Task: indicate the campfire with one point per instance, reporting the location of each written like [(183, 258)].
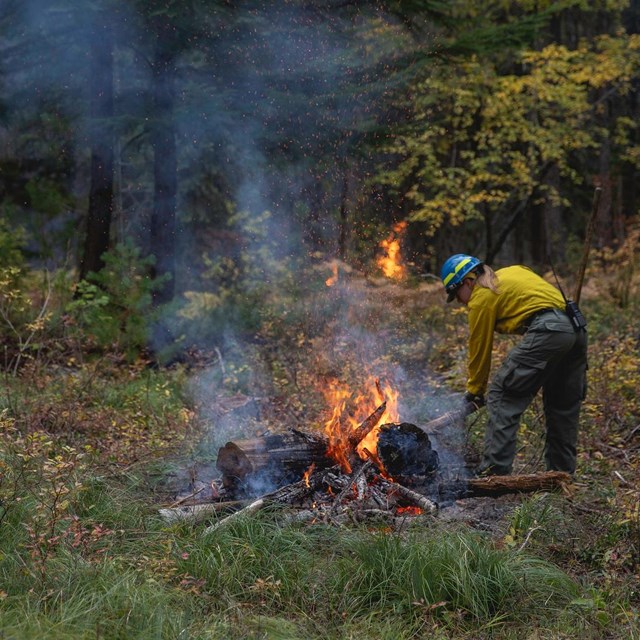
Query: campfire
[(366, 464), (362, 428)]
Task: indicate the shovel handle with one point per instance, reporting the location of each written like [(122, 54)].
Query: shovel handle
[(449, 419)]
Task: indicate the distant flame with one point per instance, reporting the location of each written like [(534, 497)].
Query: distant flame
[(390, 261), (334, 278), (349, 411)]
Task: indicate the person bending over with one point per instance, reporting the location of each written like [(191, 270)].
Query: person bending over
[(551, 356)]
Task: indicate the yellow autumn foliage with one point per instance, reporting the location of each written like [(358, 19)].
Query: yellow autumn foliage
[(483, 136)]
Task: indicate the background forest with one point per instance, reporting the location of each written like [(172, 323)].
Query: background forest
[(210, 209), (189, 129)]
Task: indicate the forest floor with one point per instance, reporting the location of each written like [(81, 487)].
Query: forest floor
[(92, 448)]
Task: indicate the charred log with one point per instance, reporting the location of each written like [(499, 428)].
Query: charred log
[(405, 450), (255, 466)]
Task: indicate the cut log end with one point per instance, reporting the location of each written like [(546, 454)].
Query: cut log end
[(233, 463)]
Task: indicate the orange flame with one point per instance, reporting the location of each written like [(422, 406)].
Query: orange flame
[(378, 395), (349, 411), (307, 474), (410, 511), (337, 396), (333, 279), (390, 261)]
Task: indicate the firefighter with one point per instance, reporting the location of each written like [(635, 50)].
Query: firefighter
[(552, 356)]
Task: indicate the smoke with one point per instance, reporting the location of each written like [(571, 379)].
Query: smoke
[(266, 96), (268, 100)]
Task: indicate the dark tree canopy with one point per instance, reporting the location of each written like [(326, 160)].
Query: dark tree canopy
[(160, 122)]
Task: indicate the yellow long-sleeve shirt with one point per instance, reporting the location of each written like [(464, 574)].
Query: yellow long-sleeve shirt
[(521, 293)]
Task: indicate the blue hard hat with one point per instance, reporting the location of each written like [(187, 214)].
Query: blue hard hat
[(454, 271)]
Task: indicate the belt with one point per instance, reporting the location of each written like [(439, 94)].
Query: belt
[(528, 321)]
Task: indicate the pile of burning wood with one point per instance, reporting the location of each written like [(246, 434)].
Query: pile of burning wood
[(371, 471)]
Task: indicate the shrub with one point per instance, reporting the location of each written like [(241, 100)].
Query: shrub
[(113, 308)]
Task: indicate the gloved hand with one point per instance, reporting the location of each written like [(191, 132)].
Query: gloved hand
[(476, 400)]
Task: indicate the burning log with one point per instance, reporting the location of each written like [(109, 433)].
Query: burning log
[(367, 425), (283, 458), (280, 458)]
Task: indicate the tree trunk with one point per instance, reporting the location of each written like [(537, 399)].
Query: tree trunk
[(604, 222), (163, 140), (546, 235), (101, 190), (344, 193)]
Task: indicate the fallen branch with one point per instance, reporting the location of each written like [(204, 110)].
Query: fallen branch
[(197, 512), (184, 499), (501, 485), (256, 505), (417, 499), (288, 494)]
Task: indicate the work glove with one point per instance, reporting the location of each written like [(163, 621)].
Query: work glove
[(476, 400)]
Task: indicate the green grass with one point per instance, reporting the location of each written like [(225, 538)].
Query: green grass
[(359, 577), (258, 578), (89, 601)]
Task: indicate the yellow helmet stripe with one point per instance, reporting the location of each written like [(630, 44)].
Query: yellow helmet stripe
[(459, 266)]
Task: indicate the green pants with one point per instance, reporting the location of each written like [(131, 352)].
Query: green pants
[(551, 356)]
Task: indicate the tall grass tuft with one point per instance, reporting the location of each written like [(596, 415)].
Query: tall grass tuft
[(458, 572), (357, 575)]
